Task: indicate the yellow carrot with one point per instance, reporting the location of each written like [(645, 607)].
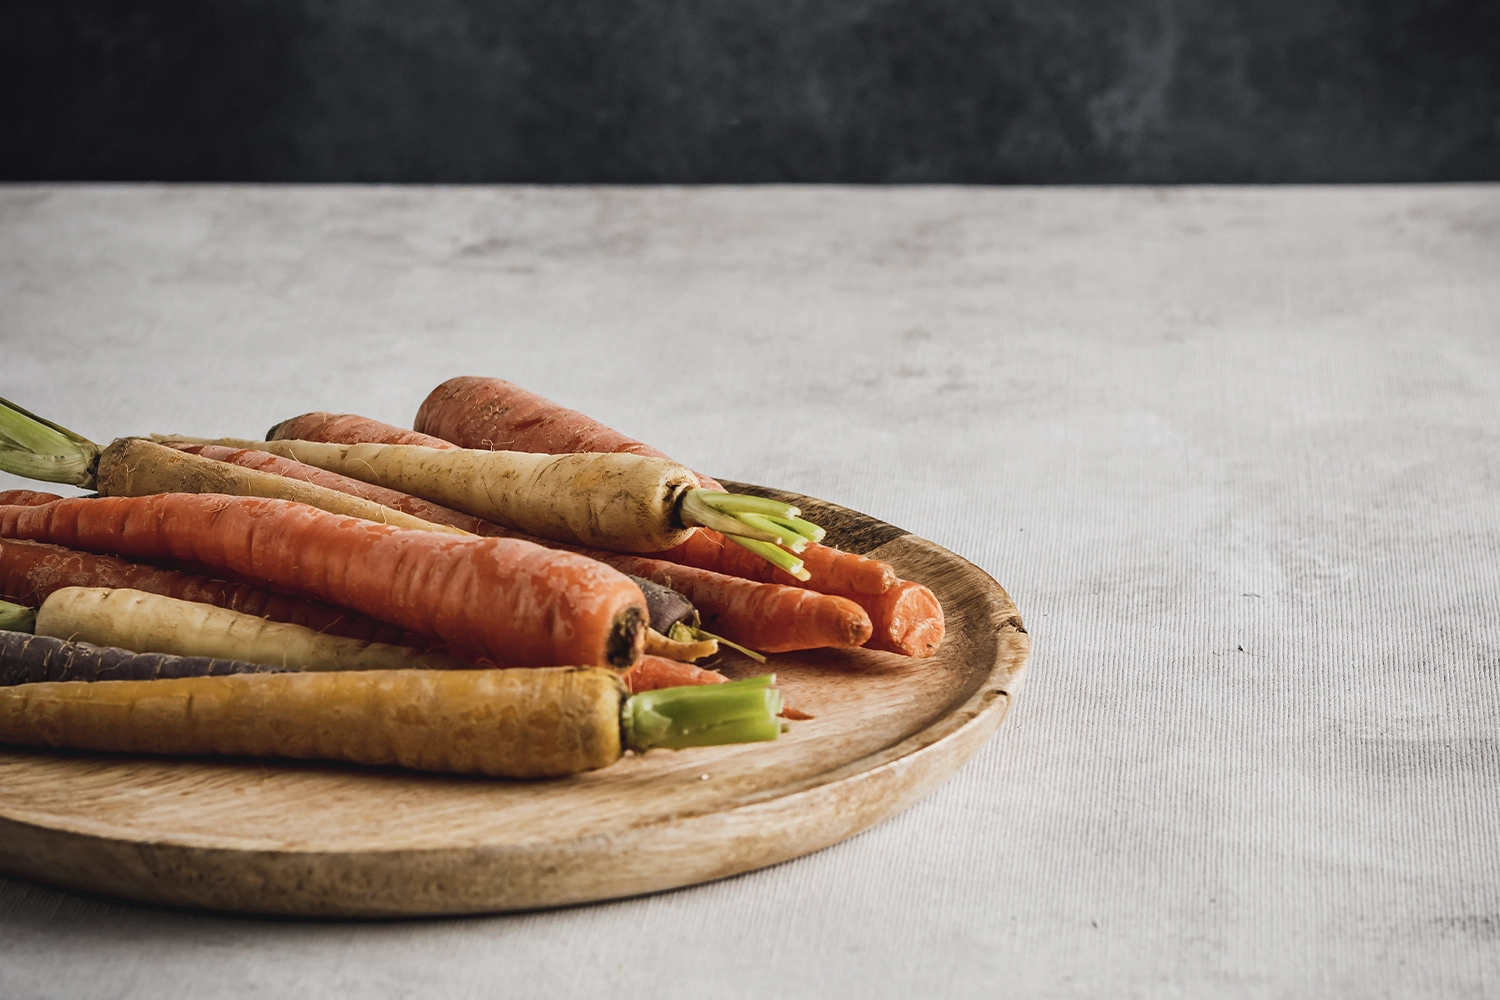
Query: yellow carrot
[(535, 723)]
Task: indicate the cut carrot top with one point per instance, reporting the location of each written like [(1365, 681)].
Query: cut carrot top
[(710, 715), (16, 617)]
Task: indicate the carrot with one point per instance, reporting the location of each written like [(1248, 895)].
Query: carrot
[(511, 723), (29, 571), (830, 570), (906, 619), (515, 603), (667, 606), (33, 659), (495, 415), (765, 616), (348, 428), (491, 413), (151, 623), (655, 672)]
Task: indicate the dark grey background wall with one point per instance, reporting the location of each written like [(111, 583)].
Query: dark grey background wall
[(751, 90)]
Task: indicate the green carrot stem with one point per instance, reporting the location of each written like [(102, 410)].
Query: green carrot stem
[(806, 529), (708, 715), (16, 618), (737, 503), (786, 538), (700, 508), (780, 558), (36, 448), (748, 517)]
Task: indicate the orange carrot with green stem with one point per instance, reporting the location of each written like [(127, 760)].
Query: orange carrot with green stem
[(515, 603)]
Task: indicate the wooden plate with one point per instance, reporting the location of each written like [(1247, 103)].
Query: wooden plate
[(315, 839)]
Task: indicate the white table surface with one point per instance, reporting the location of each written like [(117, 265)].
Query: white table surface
[(1235, 453)]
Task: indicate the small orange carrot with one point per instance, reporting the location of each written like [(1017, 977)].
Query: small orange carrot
[(512, 602), (764, 616), (347, 428), (906, 619), (833, 571), (655, 672), (501, 416)]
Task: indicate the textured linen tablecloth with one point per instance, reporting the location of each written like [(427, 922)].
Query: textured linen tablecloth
[(1235, 453)]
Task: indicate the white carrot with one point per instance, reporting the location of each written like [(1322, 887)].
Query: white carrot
[(151, 623), (622, 502)]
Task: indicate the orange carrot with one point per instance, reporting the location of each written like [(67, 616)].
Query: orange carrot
[(765, 616), (30, 571), (906, 619), (347, 428), (654, 672), (491, 413), (833, 570), (512, 602)]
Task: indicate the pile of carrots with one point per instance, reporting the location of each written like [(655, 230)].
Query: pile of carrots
[(350, 590)]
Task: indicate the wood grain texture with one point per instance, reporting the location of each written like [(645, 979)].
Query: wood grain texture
[(327, 840)]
